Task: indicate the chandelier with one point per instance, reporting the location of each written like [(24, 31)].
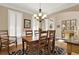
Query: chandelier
[(40, 16)]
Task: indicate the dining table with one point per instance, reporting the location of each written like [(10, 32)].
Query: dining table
[(28, 41), (72, 46)]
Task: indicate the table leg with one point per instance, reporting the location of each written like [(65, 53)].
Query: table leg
[(23, 46), (69, 53), (69, 49), (0, 46), (27, 47)]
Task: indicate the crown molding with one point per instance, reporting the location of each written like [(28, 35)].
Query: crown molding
[(63, 7), (12, 7)]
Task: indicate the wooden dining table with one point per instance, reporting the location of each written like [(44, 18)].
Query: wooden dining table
[(29, 41), (72, 46)]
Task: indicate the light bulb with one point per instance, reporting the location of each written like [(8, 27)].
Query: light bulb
[(44, 16), (40, 14), (35, 15)]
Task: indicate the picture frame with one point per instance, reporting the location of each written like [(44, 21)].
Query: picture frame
[(68, 24), (27, 23), (63, 25), (73, 24)]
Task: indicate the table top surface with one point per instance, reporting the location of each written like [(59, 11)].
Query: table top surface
[(72, 41), (28, 38)]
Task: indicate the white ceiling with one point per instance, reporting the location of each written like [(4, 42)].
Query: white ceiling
[(32, 8)]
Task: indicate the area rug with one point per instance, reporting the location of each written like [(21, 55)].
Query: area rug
[(57, 51)]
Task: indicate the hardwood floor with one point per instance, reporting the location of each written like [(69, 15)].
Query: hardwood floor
[(13, 48)]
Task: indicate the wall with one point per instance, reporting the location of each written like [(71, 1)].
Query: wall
[(64, 16), (4, 17), (46, 24), (26, 16)]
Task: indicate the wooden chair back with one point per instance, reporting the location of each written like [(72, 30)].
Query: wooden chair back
[(3, 32), (42, 40), (6, 40), (43, 35), (28, 32)]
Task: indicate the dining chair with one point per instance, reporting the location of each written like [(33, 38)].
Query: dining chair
[(3, 33), (29, 34), (51, 41), (6, 40), (43, 47), (32, 46)]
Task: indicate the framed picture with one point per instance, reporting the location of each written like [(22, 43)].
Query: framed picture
[(63, 25), (73, 24), (27, 23), (68, 24)]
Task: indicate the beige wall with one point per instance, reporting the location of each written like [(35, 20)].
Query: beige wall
[(64, 16), (27, 16), (70, 13), (4, 17)]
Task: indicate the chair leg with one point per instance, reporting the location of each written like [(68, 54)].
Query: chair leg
[(0, 44), (16, 42), (38, 51), (49, 49), (52, 51), (0, 48), (8, 47)]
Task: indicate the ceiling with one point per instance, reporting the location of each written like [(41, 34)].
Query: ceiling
[(32, 8)]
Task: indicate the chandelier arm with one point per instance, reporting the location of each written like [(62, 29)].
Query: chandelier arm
[(40, 16)]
